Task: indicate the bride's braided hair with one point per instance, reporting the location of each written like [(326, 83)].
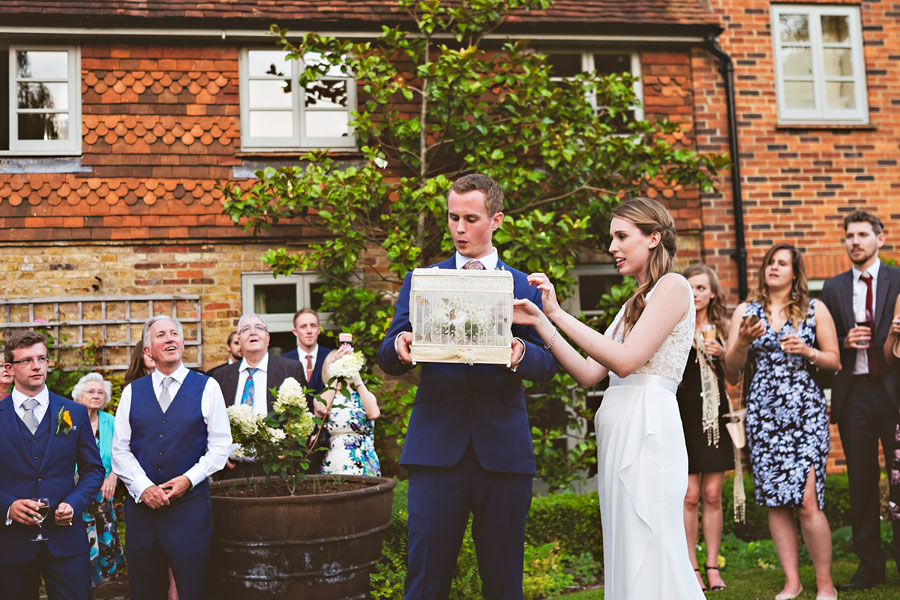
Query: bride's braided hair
[(650, 217)]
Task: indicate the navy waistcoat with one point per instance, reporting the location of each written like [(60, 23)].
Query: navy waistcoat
[(36, 444), (168, 444)]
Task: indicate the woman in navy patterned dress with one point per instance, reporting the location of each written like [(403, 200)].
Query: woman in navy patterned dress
[(787, 419), (350, 422)]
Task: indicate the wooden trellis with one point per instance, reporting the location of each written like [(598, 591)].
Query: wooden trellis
[(106, 326)]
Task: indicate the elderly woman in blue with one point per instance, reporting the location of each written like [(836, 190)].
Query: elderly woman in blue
[(107, 557)]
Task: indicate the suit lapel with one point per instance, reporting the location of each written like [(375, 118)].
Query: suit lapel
[(52, 410), (274, 374), (229, 386), (8, 422), (881, 296), (846, 300)]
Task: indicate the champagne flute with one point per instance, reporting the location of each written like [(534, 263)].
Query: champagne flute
[(43, 511), (708, 331)]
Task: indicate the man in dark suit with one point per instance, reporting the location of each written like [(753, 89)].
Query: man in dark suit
[(235, 354), (250, 380), (308, 351), (468, 445), (864, 400), (43, 437)]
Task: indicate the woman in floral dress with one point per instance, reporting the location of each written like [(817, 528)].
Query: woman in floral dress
[(786, 335), (350, 421)]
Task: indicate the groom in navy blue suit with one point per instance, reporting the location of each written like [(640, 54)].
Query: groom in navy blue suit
[(468, 444), (40, 451)]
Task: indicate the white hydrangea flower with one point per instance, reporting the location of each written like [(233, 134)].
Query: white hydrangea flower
[(241, 417), (277, 435), (290, 393), (347, 367)]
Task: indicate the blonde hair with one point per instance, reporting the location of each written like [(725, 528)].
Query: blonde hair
[(715, 311), (650, 217), (798, 299)]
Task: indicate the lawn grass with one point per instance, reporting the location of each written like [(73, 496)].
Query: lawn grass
[(763, 584)]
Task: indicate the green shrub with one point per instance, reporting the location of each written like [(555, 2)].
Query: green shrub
[(573, 520)]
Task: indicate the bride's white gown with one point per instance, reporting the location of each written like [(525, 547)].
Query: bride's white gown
[(643, 475)]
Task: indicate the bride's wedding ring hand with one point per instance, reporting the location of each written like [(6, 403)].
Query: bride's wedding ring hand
[(526, 312)]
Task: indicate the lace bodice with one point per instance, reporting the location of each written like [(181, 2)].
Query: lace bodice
[(671, 357)]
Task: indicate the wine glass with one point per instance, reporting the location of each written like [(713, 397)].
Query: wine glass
[(43, 511), (867, 322)]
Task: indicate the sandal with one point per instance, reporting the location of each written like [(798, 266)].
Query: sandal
[(703, 587), (714, 588)]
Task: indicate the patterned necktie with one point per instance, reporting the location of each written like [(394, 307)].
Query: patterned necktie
[(474, 265), (164, 398), (309, 368), (249, 392), (871, 351), (29, 417)]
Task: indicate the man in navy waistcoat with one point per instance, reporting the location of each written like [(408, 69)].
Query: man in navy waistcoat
[(172, 433), (468, 445), (43, 437)]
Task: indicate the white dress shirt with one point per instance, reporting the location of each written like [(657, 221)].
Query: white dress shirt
[(212, 407), (302, 354), (260, 383), (859, 311), (43, 398)]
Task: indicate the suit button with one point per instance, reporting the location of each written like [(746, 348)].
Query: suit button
[(34, 441), (35, 457), (163, 421), (161, 436), (159, 468), (40, 478), (161, 452)]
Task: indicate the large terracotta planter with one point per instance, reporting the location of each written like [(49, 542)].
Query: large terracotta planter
[(320, 546)]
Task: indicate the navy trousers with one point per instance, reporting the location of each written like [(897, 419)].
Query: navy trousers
[(440, 500), (176, 536), (67, 578)]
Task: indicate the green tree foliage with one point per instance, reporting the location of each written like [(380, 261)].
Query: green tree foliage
[(437, 99)]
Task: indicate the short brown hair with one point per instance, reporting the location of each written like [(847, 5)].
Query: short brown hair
[(305, 311), (476, 182), (23, 338), (864, 216)]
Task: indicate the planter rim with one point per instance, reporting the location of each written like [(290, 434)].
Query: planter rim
[(384, 484)]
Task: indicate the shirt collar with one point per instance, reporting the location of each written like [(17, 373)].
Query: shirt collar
[(43, 397), (179, 375), (262, 366), (872, 270), (489, 261), (303, 353)]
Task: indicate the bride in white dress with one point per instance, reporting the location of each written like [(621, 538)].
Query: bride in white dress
[(641, 454)]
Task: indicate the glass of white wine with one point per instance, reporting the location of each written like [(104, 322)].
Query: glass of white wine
[(43, 511)]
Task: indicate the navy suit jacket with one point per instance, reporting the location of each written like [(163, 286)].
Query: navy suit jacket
[(279, 369), (458, 404), (315, 383), (837, 294), (54, 479)]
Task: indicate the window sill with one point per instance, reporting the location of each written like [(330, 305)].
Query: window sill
[(282, 154), (824, 126), (253, 161), (42, 164)]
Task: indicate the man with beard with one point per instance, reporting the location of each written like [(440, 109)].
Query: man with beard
[(864, 398)]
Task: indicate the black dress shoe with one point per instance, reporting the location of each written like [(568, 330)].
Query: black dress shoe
[(858, 584)]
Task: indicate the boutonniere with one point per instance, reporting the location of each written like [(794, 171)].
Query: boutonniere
[(64, 422)]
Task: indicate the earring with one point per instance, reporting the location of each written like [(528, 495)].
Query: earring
[(795, 294)]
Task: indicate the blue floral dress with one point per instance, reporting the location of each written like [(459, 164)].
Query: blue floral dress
[(787, 421), (352, 440)]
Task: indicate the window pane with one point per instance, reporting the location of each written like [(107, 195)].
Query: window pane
[(592, 287), (838, 62), (43, 127), (43, 95), (268, 62), (799, 95), (606, 64), (835, 29), (270, 94), (565, 65), (327, 123), (793, 28), (316, 295), (327, 93), (840, 95), (41, 64), (275, 298), (275, 124), (315, 59), (796, 62)]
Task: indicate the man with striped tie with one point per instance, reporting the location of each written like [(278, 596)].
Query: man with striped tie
[(172, 433)]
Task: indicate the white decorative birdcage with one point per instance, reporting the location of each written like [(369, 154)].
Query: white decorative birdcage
[(461, 316)]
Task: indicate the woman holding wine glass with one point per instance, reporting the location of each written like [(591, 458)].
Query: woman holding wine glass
[(702, 402), (785, 336)]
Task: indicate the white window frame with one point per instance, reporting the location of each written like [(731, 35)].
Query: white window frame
[(67, 147), (572, 304), (278, 322), (821, 114), (587, 64), (298, 139)]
